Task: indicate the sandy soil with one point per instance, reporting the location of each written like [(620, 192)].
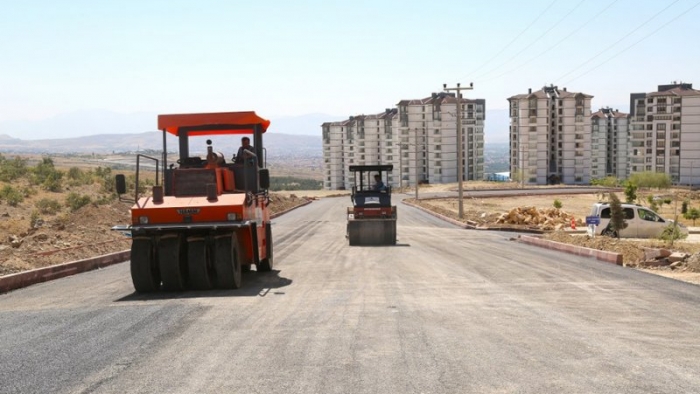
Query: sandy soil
[(69, 236)]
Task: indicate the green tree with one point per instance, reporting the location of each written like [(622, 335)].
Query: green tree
[(692, 214), (617, 216), (630, 192), (652, 203)]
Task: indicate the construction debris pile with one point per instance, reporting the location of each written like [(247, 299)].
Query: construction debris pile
[(545, 219)]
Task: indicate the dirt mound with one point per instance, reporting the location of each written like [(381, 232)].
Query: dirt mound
[(544, 219), (632, 253), (77, 235)]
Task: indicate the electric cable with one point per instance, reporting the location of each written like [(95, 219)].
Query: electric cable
[(535, 41), (516, 37), (635, 43), (618, 41), (539, 55)]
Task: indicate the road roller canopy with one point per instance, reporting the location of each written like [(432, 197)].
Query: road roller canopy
[(376, 167), (213, 123)]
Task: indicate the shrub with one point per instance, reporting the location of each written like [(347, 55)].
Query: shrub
[(630, 192), (12, 196), (35, 219), (617, 216), (672, 232), (48, 206), (652, 203), (692, 214), (684, 207), (650, 179), (12, 169), (557, 204), (75, 201), (609, 181)]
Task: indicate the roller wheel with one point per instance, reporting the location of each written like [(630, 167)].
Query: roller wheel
[(227, 261), (265, 265), (173, 270), (201, 273), (144, 270)]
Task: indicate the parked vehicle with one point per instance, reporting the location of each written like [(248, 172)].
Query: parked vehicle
[(642, 222)]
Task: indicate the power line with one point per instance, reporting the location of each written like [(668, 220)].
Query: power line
[(535, 41), (635, 43), (516, 37), (539, 55), (618, 41)]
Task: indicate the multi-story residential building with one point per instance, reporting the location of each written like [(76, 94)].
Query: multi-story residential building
[(419, 138), (359, 140), (549, 136), (609, 144), (428, 131), (665, 132)]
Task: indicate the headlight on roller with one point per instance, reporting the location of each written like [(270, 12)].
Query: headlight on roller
[(143, 219), (231, 217)]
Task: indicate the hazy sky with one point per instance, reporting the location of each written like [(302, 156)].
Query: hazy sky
[(335, 57)]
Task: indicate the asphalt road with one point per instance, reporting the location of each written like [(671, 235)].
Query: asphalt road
[(445, 311)]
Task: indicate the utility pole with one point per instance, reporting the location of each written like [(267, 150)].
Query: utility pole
[(415, 130), (460, 166)]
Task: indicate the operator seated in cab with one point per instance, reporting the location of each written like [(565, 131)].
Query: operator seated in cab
[(245, 151), (378, 184)]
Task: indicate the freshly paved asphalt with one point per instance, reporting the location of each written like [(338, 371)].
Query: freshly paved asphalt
[(445, 311)]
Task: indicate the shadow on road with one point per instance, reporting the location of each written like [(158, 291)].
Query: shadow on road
[(253, 284)]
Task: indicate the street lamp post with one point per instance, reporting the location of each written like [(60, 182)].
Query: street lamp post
[(460, 166)]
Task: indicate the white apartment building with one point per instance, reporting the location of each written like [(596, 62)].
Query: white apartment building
[(550, 139), (609, 144), (359, 140), (419, 138), (428, 131), (665, 132)]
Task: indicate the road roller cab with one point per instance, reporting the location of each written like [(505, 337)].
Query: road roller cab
[(208, 220), (372, 218)]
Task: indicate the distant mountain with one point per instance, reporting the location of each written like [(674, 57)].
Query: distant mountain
[(79, 124), (103, 122), (277, 145)]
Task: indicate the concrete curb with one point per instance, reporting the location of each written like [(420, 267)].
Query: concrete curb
[(608, 257), (39, 275), (443, 217)]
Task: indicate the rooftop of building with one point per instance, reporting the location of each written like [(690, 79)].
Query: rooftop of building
[(550, 91), (439, 98), (608, 113)]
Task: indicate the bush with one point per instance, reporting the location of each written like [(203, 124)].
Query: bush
[(617, 216), (12, 196), (48, 206), (35, 219), (46, 175), (12, 169), (672, 232), (650, 179), (609, 181), (75, 201), (692, 214), (684, 207), (557, 204), (630, 193)]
